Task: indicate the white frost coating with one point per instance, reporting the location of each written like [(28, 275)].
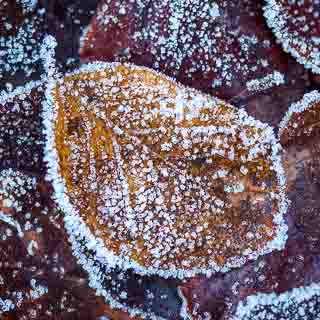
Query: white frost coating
[(32, 245), (13, 185), (83, 36), (79, 231), (214, 11), (6, 305), (194, 38), (296, 300), (235, 188), (184, 307), (9, 220), (180, 102), (37, 290), (47, 52), (306, 102), (267, 82), (278, 17), (28, 5), (21, 51), (6, 96)]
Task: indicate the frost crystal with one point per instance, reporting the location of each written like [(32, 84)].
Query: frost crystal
[(297, 304), (210, 45), (309, 100), (269, 81), (20, 49), (296, 25)]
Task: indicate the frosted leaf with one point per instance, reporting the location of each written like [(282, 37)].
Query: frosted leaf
[(299, 135), (302, 119), (20, 43), (20, 127), (296, 25), (139, 183), (296, 304), (214, 46), (274, 79)]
